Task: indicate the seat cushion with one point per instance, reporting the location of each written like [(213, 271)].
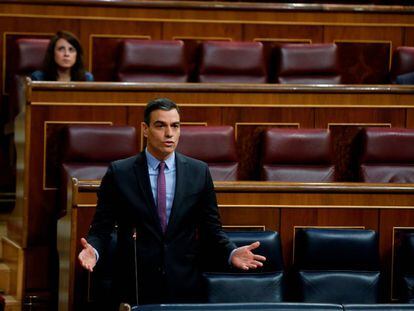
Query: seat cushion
[(236, 287), (299, 173), (387, 173), (339, 286)]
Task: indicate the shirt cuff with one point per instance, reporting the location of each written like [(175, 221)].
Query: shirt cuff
[(231, 256), (97, 254)]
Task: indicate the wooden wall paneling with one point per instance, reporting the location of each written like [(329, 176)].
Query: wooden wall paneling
[(38, 24), (410, 118), (321, 217), (363, 19), (208, 115), (99, 35), (255, 112), (196, 29), (361, 115), (366, 33), (364, 62), (359, 65), (189, 114), (80, 97), (390, 224), (191, 11), (408, 36), (315, 99), (250, 217), (280, 31), (42, 269), (134, 118)]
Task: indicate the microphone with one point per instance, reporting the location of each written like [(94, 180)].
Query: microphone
[(134, 237)]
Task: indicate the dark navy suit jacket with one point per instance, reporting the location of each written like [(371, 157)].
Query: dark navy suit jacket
[(169, 265)]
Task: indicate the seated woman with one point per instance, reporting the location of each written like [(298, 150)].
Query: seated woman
[(63, 60), (406, 78)]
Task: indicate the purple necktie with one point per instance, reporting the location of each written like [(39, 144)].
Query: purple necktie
[(162, 196)]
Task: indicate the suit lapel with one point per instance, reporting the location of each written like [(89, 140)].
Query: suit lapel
[(180, 187), (141, 173)]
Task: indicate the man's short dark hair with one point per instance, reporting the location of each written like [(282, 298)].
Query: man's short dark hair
[(158, 104)]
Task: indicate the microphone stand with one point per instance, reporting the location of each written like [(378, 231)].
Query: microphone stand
[(125, 306), (134, 236)]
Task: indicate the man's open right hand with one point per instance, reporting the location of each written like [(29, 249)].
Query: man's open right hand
[(87, 256)]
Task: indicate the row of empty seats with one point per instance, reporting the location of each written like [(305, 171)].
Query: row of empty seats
[(330, 266), (221, 61), (335, 266), (288, 155)]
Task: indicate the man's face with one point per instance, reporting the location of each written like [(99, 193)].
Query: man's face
[(162, 133)]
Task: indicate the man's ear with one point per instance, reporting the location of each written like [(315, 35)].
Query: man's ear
[(144, 129)]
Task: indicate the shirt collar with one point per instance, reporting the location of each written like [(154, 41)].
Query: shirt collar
[(153, 162)]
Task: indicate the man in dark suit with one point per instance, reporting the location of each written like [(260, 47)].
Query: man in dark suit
[(169, 228), (407, 78)]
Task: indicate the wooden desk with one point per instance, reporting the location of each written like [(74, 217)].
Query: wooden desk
[(283, 207)]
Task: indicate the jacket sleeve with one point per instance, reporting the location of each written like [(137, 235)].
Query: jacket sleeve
[(104, 219), (217, 241)]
